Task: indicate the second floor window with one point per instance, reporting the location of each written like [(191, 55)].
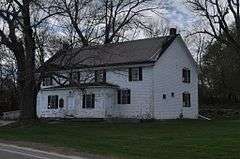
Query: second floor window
[(124, 96), (186, 76), (53, 102), (75, 76), (100, 76), (135, 74), (47, 81)]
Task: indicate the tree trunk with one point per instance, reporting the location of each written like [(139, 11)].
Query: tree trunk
[(28, 96), (28, 101)]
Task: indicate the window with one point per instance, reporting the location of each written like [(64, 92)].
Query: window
[(88, 101), (75, 76), (124, 96), (186, 100), (61, 103), (52, 102), (135, 74), (100, 76), (47, 81), (186, 75), (164, 96)]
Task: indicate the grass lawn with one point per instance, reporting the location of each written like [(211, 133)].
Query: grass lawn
[(159, 140)]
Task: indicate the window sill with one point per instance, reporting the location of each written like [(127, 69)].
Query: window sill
[(88, 108)]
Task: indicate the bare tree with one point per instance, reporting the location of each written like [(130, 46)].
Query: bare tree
[(104, 21), (121, 14), (78, 12), (221, 18), (156, 27), (16, 34)]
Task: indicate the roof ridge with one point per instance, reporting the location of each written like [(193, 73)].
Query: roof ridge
[(112, 44), (140, 50)]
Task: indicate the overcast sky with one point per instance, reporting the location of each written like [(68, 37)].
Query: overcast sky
[(178, 15)]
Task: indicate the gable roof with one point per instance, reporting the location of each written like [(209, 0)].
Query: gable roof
[(130, 52)]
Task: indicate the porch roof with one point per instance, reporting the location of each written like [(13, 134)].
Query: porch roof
[(82, 86)]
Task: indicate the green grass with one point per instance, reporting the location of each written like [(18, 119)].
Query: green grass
[(159, 140)]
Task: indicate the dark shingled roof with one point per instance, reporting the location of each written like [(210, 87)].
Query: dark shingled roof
[(130, 52)]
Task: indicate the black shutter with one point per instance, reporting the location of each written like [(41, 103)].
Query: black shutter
[(130, 74), (119, 96), (189, 100), (189, 76), (183, 98), (104, 75), (56, 102), (83, 101), (78, 74), (49, 100), (140, 74), (184, 75), (93, 100), (129, 96)]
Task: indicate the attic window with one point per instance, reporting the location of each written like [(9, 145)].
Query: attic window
[(135, 74)]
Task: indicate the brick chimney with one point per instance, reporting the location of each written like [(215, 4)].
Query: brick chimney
[(173, 31)]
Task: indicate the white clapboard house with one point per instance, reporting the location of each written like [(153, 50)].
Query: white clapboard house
[(153, 78)]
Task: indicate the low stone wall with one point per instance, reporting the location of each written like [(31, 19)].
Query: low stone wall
[(11, 115), (220, 113)]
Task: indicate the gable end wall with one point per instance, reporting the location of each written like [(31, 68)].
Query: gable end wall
[(168, 79)]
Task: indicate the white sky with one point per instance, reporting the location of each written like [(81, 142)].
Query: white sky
[(179, 15)]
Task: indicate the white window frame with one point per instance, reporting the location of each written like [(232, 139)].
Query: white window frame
[(85, 99), (186, 79), (186, 96), (52, 102), (135, 74), (124, 96)]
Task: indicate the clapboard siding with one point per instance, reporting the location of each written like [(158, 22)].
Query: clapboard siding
[(168, 79), (103, 102), (141, 93), (164, 77)]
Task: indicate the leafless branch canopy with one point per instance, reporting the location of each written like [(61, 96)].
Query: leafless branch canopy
[(222, 17)]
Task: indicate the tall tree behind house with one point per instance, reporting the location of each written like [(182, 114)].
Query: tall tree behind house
[(16, 34)]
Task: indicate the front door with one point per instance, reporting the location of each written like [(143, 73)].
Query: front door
[(70, 105)]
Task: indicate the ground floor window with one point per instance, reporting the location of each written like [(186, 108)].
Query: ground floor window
[(88, 101), (61, 103), (53, 102), (124, 96), (186, 99)]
